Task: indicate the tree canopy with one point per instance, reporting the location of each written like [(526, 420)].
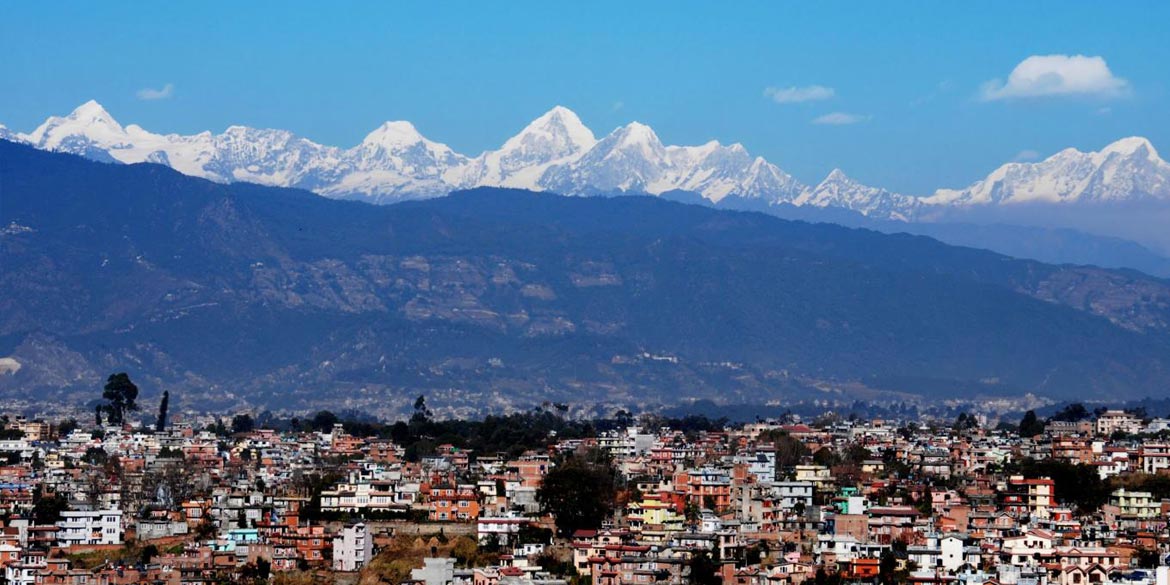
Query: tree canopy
[(579, 492), (1030, 425), (120, 395)]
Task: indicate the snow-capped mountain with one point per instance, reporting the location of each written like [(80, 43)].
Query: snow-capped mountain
[(556, 138), (629, 159), (272, 157), (1127, 170), (557, 152), (632, 159), (719, 171), (393, 162), (838, 190), (269, 157)]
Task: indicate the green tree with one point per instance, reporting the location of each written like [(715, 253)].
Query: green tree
[(422, 414), (579, 493), (1074, 412), (886, 567), (161, 424), (324, 421), (256, 573), (856, 454), (790, 451), (753, 555), (66, 427), (530, 534), (1147, 558), (120, 395), (965, 422), (242, 423), (704, 569), (47, 507), (1075, 483), (1030, 425), (148, 552), (206, 528), (95, 456), (826, 456)]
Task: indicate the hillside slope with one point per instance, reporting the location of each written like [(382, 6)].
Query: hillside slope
[(239, 294)]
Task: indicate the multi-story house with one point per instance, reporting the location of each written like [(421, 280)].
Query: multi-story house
[(79, 528), (1033, 497), (453, 503), (353, 547), (1139, 504), (1154, 457), (1112, 421)]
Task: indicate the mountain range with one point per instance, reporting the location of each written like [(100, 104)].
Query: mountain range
[(231, 294), (557, 152), (1105, 208)]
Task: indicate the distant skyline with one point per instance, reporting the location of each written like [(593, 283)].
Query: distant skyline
[(911, 97)]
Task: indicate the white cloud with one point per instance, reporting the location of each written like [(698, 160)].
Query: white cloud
[(1026, 155), (792, 95), (1057, 75), (839, 119), (148, 93), (618, 105)]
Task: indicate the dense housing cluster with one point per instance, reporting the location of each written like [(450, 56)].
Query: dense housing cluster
[(1080, 499)]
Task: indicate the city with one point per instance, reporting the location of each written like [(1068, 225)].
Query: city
[(1081, 497), (667, 292)]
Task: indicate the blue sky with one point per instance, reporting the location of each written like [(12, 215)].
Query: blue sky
[(911, 78)]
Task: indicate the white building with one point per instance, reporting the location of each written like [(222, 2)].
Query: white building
[(501, 529), (943, 552), (89, 527), (1112, 421), (1154, 457), (352, 548), (435, 572), (792, 493), (23, 573), (761, 463), (846, 548)]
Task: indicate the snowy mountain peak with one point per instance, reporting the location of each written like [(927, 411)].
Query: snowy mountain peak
[(841, 191), (559, 110), (634, 139), (711, 146), (1126, 170), (86, 130), (92, 112), (562, 116), (1132, 145), (394, 134), (838, 176), (636, 133), (556, 134), (557, 137)]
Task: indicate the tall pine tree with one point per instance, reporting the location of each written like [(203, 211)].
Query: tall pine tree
[(161, 423)]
